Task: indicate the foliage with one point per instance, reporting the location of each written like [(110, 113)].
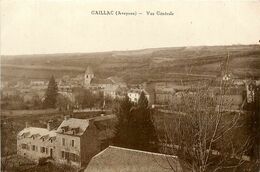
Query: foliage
[(122, 128), (19, 101), (203, 135), (13, 102), (135, 128), (86, 98), (51, 94), (143, 126), (36, 102), (255, 109), (63, 103)]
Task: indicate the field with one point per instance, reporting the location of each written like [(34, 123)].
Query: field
[(137, 66)]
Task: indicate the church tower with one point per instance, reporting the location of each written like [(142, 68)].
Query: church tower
[(89, 75)]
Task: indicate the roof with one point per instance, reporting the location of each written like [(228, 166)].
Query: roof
[(115, 159), (105, 117), (138, 91), (165, 90), (101, 81), (41, 132), (89, 70), (72, 123), (116, 80)]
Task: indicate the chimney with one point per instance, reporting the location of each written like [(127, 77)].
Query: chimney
[(91, 121), (66, 117), (49, 125), (26, 124)]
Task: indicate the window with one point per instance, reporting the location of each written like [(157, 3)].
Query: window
[(24, 146), (42, 149), (63, 141), (67, 155), (63, 154), (74, 157), (46, 150), (33, 147), (72, 143)]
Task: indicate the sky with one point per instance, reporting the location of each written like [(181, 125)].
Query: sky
[(67, 26)]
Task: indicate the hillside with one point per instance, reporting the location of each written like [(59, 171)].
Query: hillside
[(138, 65)]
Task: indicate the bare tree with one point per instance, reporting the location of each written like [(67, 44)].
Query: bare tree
[(205, 131)]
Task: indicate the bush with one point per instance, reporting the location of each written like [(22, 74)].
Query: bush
[(43, 161)]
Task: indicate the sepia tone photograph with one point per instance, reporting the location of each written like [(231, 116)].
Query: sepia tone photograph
[(130, 86)]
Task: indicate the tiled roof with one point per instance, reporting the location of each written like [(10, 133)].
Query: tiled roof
[(101, 81), (116, 159), (116, 80), (71, 123), (34, 131), (139, 91), (105, 117), (103, 124)]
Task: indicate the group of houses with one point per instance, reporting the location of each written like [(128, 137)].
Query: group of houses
[(72, 143), (158, 92), (167, 92), (76, 143), (113, 87)]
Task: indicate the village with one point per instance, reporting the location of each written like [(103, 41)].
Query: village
[(158, 92), (129, 86), (84, 132)]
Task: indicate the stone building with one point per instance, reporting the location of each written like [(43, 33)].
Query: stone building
[(112, 87), (73, 143), (89, 75), (35, 143), (134, 95), (76, 141)]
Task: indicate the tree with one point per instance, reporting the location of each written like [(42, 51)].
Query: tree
[(135, 128), (63, 103), (122, 128), (51, 94), (36, 102), (254, 108), (143, 126), (204, 131), (86, 99)]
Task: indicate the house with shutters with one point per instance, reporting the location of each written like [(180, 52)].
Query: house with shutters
[(73, 143), (76, 141), (35, 143)]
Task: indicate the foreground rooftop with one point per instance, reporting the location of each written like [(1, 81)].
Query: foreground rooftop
[(115, 159)]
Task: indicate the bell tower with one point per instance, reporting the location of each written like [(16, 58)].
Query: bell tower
[(89, 75)]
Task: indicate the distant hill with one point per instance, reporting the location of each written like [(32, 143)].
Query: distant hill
[(137, 66)]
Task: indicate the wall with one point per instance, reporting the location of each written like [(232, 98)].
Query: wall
[(90, 145), (34, 155), (67, 148)]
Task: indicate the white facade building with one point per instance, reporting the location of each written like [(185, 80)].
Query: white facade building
[(134, 95), (73, 143)]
